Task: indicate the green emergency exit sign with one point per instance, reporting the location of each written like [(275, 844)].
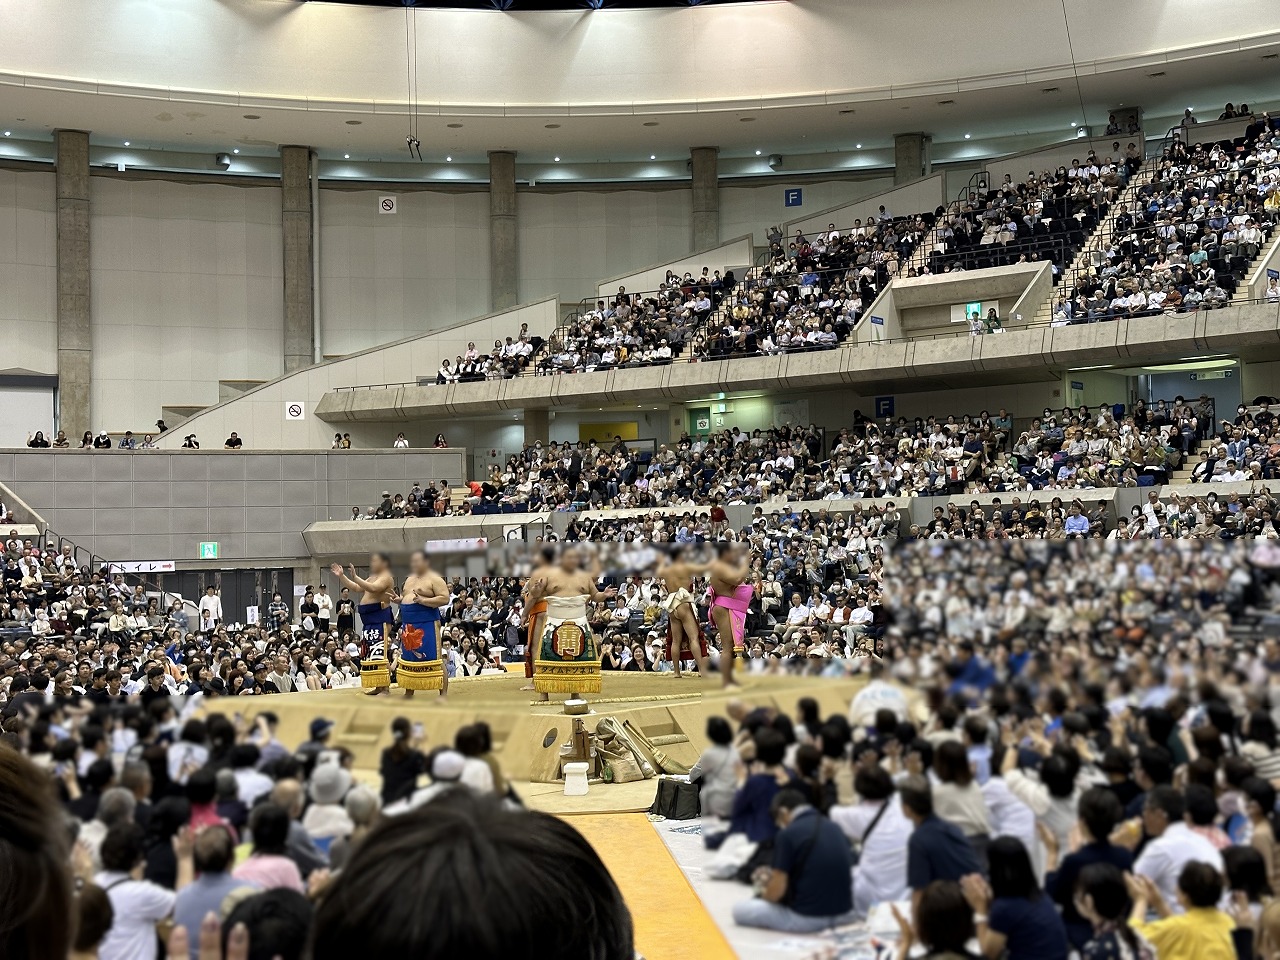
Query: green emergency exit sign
[(208, 550)]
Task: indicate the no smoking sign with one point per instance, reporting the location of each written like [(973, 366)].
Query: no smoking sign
[(386, 204), (294, 410)]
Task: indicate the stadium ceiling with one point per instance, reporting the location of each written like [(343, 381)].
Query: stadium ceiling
[(526, 5)]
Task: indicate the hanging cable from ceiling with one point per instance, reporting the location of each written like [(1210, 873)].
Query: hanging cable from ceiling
[(411, 79), (1075, 70)]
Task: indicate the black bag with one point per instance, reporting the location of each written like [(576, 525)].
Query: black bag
[(676, 799)]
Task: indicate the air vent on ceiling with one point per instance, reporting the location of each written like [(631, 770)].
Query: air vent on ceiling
[(1158, 73), (946, 103), (1270, 56), (1049, 90), (846, 112)]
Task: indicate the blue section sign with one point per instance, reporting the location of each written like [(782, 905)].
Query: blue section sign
[(792, 197), (884, 406), (1077, 385), (1273, 274), (877, 321)]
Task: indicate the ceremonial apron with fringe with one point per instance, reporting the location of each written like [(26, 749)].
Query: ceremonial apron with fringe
[(375, 626), (567, 658), (738, 604), (420, 665)]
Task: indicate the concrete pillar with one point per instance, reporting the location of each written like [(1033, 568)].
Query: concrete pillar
[(504, 274), (537, 426), (706, 197), (75, 335), (912, 156), (295, 201)]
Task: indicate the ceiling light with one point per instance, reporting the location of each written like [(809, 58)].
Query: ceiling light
[(448, 159), (757, 153), (8, 133), (234, 150), (557, 159), (653, 156), (858, 146), (966, 136), (126, 143), (1073, 123), (346, 156)]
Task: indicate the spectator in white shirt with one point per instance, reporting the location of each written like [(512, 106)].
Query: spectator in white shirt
[(211, 602), (1174, 845), (1232, 474), (877, 824), (137, 904)]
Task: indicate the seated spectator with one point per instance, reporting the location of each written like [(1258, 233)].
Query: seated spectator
[(717, 770), (450, 845), (1173, 845), (1198, 929), (937, 850), (1102, 899), (1013, 916), (807, 888), (942, 923), (268, 865), (881, 833), (213, 856), (137, 905)]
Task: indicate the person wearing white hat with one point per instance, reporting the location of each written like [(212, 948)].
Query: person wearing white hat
[(327, 819)]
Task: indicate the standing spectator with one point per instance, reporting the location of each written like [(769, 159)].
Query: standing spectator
[(212, 603), (324, 604)]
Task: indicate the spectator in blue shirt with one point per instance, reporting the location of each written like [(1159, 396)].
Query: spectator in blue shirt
[(1077, 523), (1013, 916), (127, 442), (807, 889), (937, 850), (1100, 811)]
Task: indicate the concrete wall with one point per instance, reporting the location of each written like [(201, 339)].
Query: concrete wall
[(1270, 260), (921, 196), (755, 208), (260, 417), (923, 305), (187, 290), (28, 267), (160, 505), (384, 278)]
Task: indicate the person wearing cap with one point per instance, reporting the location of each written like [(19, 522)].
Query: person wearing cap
[(320, 730), (446, 769)]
